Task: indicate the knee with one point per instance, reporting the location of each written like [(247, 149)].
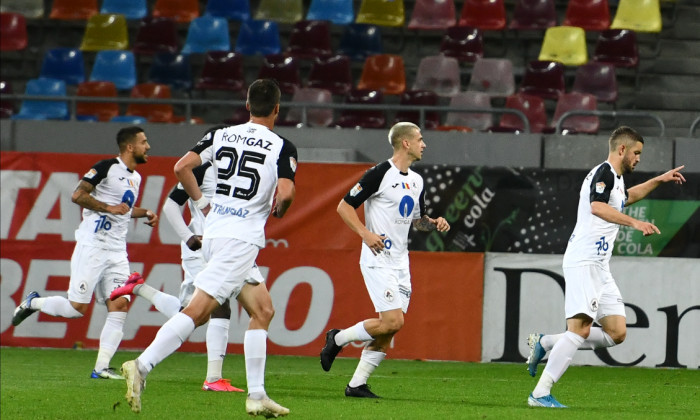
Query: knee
[(618, 336), (392, 326), (265, 314)]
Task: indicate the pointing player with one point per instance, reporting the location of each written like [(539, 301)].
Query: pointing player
[(591, 292), (107, 193), (394, 198), (253, 165)]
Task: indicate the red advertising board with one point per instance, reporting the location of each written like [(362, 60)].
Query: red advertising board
[(310, 262)]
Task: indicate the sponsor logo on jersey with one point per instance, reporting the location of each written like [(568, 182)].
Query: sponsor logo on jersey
[(599, 187), (406, 206), (404, 185), (90, 174), (355, 190), (293, 164)]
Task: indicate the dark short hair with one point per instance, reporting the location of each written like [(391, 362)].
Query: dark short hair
[(624, 133), (126, 134), (263, 96)]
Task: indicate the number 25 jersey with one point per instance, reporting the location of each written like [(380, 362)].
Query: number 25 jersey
[(248, 160)]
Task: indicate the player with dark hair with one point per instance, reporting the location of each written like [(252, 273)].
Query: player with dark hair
[(107, 193), (591, 292), (393, 196), (253, 166)]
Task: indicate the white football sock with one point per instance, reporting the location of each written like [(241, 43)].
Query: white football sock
[(56, 306), (559, 360), (596, 339), (255, 351), (169, 338), (111, 336), (548, 341), (217, 339), (355, 333), (166, 304), (368, 362)]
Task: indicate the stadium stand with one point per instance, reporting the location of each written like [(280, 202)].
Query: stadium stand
[(544, 79), (473, 120), (131, 9), (439, 74), (362, 118), (315, 117), (31, 9), (103, 111), (381, 13), (118, 67), (229, 9), (43, 110), (222, 70), (464, 43), (156, 34), (309, 39), (65, 64), (419, 97), (588, 124), (565, 44), (207, 33), (258, 37), (13, 32), (182, 11), (282, 11), (383, 72), (105, 32), (360, 40), (283, 69), (533, 15), (432, 15), (171, 69), (332, 73), (73, 9), (591, 15), (339, 12)]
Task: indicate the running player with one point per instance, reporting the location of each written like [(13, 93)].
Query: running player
[(394, 198)]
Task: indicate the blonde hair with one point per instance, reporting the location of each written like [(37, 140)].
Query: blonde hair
[(400, 131)]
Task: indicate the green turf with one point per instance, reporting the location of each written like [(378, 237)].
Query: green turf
[(55, 384)]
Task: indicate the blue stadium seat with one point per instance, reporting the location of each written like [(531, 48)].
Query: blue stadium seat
[(129, 119), (118, 67), (64, 64), (229, 9), (258, 37), (360, 40), (337, 11), (43, 110), (171, 69), (207, 33), (131, 9)]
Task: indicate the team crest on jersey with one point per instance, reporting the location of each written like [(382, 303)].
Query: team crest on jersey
[(83, 287), (355, 190), (388, 295), (599, 187), (594, 305), (293, 164), (90, 174)]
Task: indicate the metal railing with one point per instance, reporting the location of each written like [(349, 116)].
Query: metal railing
[(305, 106), (613, 114)]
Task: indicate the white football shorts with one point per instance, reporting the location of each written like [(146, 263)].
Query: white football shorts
[(230, 265), (96, 270), (388, 288), (591, 290)]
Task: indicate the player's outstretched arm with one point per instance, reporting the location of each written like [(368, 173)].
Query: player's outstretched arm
[(81, 196), (286, 191), (609, 214), (427, 224), (640, 191)]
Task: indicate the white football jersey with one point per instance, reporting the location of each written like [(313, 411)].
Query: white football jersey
[(204, 174), (392, 200), (114, 184), (593, 238), (247, 160)]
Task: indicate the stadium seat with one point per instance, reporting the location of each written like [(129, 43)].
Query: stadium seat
[(43, 110), (362, 118), (118, 67), (587, 124), (473, 120), (103, 111), (315, 117), (331, 73), (283, 11), (131, 9), (591, 15), (464, 43), (171, 69), (439, 74), (207, 33), (544, 79), (64, 64), (419, 97), (156, 34), (222, 70), (73, 9), (432, 14), (7, 107), (565, 44), (182, 11), (229, 9), (339, 12), (597, 79), (617, 47), (105, 32), (531, 106), (638, 15), (258, 37), (493, 76), (241, 115), (383, 72), (13, 32), (283, 69), (152, 112), (533, 15), (487, 15), (381, 12), (129, 119), (359, 41), (310, 39), (30, 9)]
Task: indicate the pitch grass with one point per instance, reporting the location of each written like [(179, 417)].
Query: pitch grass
[(55, 384)]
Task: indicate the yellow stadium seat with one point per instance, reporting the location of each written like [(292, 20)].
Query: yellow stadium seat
[(381, 12), (638, 15), (283, 11), (565, 44), (105, 32)]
